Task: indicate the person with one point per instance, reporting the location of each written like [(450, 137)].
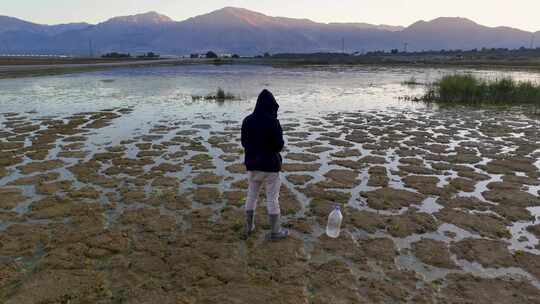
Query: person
[(262, 139)]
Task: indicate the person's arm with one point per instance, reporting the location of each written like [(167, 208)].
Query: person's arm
[(277, 137), (243, 137)]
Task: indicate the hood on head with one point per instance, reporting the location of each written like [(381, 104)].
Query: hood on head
[(266, 104)]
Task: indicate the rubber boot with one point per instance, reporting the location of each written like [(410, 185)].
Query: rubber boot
[(250, 224), (276, 233)]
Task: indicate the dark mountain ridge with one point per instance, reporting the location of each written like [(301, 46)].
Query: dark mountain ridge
[(238, 30)]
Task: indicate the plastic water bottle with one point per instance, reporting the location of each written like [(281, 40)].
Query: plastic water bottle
[(333, 227)]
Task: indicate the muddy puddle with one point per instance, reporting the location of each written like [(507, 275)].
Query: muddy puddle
[(138, 203)]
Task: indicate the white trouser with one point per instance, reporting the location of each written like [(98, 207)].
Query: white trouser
[(272, 183)]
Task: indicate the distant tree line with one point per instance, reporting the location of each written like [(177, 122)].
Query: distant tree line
[(213, 55), (116, 55), (521, 50), (149, 55), (488, 53)]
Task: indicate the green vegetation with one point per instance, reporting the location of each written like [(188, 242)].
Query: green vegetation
[(211, 55), (411, 82), (470, 90), (220, 96)]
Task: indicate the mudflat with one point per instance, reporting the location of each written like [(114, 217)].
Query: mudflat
[(111, 196), (159, 215)]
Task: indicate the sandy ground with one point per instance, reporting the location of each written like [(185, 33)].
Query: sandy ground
[(56, 67), (130, 63)]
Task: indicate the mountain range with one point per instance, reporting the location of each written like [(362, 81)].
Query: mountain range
[(237, 30)]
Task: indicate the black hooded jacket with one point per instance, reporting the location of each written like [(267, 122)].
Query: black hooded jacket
[(262, 136)]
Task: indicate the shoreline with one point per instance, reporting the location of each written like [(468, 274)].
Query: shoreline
[(24, 70), (12, 71)]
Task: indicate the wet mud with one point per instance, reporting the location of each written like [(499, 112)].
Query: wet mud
[(439, 207)]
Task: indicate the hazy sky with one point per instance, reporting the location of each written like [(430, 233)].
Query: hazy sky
[(522, 14)]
